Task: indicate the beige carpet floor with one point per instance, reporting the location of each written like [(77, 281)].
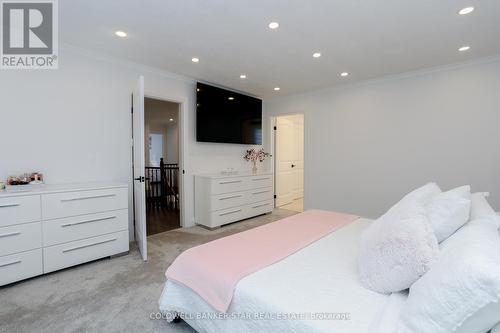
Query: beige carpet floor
[(109, 295)]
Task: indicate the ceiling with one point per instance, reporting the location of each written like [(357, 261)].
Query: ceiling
[(367, 38), (161, 112)]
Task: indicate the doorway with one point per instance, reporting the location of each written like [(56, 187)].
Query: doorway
[(289, 162), (161, 150), (139, 145)]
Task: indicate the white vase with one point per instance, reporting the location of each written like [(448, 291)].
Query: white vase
[(254, 168)]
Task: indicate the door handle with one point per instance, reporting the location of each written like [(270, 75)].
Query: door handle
[(141, 179), (9, 205), (293, 165)]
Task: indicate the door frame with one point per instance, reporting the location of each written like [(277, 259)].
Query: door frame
[(182, 128), (272, 149)]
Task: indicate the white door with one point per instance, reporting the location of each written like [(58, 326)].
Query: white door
[(298, 159), (289, 152), (284, 159), (139, 170)]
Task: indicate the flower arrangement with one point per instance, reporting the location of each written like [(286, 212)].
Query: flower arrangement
[(254, 155), (25, 179)]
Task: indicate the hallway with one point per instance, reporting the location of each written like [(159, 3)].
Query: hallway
[(160, 219)]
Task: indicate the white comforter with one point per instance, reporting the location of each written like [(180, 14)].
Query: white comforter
[(320, 279)]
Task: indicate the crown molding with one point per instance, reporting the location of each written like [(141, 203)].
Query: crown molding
[(124, 63), (393, 77)]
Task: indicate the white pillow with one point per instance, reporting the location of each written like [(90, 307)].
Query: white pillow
[(412, 203), (482, 320), (448, 211), (397, 249), (480, 207), (421, 196), (462, 290)]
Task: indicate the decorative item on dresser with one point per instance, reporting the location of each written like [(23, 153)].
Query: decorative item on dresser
[(222, 199), (255, 155), (52, 227)]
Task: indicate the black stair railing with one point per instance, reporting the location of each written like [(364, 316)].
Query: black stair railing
[(162, 185)]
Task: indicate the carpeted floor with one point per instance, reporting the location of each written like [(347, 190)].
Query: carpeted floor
[(109, 295)]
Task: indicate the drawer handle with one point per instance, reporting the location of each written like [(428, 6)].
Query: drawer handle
[(255, 179), (231, 212), (10, 263), (9, 205), (260, 192), (230, 182), (261, 205), (10, 234), (87, 221), (91, 197), (88, 245), (231, 197)]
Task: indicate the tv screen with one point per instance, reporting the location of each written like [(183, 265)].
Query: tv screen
[(225, 116)]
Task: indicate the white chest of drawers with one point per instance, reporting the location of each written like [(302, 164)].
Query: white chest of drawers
[(221, 199), (51, 227)]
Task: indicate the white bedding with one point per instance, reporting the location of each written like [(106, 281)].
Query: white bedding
[(321, 278)]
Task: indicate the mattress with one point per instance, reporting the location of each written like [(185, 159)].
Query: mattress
[(314, 290)]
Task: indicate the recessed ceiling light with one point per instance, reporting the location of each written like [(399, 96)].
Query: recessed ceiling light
[(195, 60), (316, 55), (464, 48), (274, 25), (344, 74), (171, 119), (230, 98), (276, 88), (466, 10), (121, 34), (243, 76)]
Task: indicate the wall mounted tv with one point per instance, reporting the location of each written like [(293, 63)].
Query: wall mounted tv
[(225, 116)]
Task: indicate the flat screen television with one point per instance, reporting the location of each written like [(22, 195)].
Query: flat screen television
[(225, 116)]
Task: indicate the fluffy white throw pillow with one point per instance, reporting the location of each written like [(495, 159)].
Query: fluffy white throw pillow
[(399, 247), (448, 211), (462, 290)]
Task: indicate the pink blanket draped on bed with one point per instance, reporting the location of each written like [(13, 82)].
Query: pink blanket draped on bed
[(213, 269)]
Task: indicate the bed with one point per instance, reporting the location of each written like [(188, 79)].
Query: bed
[(313, 290)]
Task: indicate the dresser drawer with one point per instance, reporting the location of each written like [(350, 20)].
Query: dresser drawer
[(227, 216), (260, 208), (260, 194), (21, 237), (66, 204), (228, 200), (69, 254), (260, 181), (228, 185), (84, 226), (22, 209), (20, 266)]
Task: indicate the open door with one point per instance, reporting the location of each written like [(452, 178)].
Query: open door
[(289, 162), (284, 161), (139, 168), (298, 158)]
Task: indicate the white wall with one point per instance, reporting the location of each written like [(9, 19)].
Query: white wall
[(172, 144), (73, 124), (368, 144)]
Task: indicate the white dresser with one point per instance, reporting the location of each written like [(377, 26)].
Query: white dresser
[(50, 227), (222, 199)]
